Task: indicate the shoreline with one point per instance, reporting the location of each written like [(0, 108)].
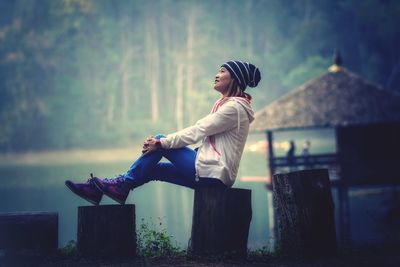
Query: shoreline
[(72, 156)]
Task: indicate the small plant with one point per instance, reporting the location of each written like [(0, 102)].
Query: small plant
[(265, 253), (261, 252), (155, 242), (69, 250)]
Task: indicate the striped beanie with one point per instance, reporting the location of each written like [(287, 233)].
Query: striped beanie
[(243, 72)]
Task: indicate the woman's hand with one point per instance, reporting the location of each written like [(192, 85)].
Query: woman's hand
[(150, 145)]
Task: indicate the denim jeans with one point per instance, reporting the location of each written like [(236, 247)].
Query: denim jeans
[(180, 169)]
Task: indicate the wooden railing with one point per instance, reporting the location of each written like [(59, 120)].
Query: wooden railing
[(311, 160)]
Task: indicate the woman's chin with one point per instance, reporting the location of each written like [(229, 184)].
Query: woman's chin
[(217, 88)]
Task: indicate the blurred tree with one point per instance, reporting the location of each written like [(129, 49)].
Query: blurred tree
[(87, 73)]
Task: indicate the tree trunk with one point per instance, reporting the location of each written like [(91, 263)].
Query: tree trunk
[(125, 72), (249, 29), (110, 109), (107, 231), (155, 69), (152, 65), (179, 97), (221, 220), (305, 211), (190, 31), (167, 73), (29, 230)]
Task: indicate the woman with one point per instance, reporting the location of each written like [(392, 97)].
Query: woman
[(215, 163)]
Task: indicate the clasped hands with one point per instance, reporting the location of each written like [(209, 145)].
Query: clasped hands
[(151, 144)]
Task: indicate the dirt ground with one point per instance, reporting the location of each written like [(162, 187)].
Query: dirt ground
[(372, 257)]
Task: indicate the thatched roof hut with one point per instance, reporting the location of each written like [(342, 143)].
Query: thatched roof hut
[(366, 121), (336, 98)]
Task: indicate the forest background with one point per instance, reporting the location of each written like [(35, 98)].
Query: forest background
[(102, 73)]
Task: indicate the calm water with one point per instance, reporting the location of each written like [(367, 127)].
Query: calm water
[(41, 188)]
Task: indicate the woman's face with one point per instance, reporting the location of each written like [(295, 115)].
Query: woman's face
[(222, 80)]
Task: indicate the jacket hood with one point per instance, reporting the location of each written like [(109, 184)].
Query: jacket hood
[(247, 107)]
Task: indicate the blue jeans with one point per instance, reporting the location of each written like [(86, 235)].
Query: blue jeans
[(180, 170)]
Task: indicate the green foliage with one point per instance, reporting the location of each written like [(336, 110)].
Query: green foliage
[(265, 253), (261, 252), (69, 250), (312, 68), (94, 73), (154, 241)]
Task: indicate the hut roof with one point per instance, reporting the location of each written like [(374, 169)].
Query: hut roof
[(336, 98)]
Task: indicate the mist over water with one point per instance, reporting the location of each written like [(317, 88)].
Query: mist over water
[(41, 188), (86, 81), (89, 74)]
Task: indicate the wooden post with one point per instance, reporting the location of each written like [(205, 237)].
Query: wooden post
[(221, 220), (305, 211), (107, 231), (271, 162), (271, 156), (344, 214), (36, 231)]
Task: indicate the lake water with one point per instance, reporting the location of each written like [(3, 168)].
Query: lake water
[(40, 187)]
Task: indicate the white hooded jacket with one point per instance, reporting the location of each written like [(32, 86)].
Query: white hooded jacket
[(224, 133)]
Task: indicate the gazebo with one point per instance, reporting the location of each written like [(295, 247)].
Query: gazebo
[(365, 119)]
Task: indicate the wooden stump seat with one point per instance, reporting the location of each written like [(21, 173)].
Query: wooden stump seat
[(221, 221), (305, 214), (36, 231), (107, 231)]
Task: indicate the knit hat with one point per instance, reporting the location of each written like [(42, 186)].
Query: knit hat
[(243, 72)]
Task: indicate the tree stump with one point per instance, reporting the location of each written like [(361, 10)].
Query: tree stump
[(36, 231), (305, 213), (221, 220), (107, 231)]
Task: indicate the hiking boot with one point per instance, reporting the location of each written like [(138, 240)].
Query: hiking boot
[(87, 191), (116, 188)]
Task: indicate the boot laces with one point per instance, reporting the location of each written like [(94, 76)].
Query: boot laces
[(115, 180), (90, 179)]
